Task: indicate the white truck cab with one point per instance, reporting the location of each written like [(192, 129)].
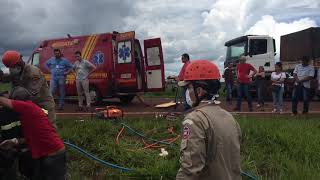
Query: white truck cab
[(259, 50)]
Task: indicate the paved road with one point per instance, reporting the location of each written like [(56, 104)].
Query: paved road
[(138, 108)]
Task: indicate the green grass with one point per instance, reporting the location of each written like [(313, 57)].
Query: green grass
[(281, 148), (169, 92), (98, 137), (5, 87), (272, 148)]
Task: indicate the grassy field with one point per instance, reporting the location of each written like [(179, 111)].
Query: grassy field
[(272, 148), (170, 92), (5, 87)]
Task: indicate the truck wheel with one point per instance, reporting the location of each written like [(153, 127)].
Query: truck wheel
[(126, 99), (95, 95)]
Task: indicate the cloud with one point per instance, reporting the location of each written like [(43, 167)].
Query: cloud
[(25, 23), (201, 29)]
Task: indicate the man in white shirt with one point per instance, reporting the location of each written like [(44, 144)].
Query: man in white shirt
[(83, 69), (303, 73)]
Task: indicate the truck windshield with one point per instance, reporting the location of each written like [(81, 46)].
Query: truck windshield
[(235, 51)]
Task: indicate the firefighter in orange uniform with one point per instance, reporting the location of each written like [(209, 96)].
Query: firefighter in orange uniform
[(210, 148), (31, 78)]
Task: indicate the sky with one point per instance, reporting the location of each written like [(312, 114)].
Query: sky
[(199, 28)]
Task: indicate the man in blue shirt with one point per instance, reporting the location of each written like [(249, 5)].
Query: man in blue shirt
[(59, 67)]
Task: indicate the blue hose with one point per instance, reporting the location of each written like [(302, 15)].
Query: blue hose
[(145, 137), (248, 175), (97, 159)]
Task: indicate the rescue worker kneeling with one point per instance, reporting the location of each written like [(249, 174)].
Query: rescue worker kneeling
[(10, 128), (210, 147), (30, 77), (47, 149)]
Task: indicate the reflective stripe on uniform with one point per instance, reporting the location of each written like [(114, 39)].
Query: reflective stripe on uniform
[(45, 111), (10, 126), (187, 121)]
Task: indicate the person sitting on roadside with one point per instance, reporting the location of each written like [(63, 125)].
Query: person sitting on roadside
[(210, 146), (47, 149), (260, 83), (277, 79), (83, 68)]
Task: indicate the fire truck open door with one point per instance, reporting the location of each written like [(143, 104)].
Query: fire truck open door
[(154, 65)]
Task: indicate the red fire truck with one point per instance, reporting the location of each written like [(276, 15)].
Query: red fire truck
[(122, 69)]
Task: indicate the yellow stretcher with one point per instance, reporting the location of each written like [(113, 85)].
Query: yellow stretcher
[(171, 103), (165, 105)]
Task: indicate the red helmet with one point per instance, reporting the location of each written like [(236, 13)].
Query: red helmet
[(201, 70), (11, 58)]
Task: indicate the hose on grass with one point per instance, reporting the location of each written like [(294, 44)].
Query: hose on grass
[(170, 140), (143, 136), (153, 145), (105, 163), (248, 175), (114, 166), (120, 133)]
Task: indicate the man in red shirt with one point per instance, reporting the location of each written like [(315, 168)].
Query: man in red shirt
[(244, 80), (47, 149), (185, 59)]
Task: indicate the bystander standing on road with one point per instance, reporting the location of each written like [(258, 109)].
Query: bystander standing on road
[(228, 76), (59, 67), (303, 73), (185, 59), (83, 69), (260, 84), (244, 79), (277, 79)]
